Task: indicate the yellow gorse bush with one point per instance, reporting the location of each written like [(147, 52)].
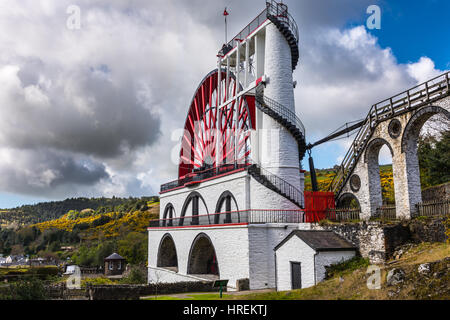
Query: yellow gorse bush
[(121, 223)]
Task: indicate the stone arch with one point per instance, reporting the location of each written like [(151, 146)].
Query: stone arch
[(193, 200), (226, 199), (415, 124), (409, 148), (375, 146), (169, 213), (345, 200), (167, 253), (202, 256), (374, 181)]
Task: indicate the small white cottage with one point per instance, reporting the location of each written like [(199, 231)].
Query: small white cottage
[(302, 256)]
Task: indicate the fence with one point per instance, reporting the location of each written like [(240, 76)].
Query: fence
[(343, 214), (386, 213), (317, 208), (433, 208)]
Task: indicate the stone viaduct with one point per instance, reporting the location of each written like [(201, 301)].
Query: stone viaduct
[(396, 123)]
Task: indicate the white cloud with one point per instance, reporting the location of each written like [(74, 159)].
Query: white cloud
[(91, 111), (343, 72), (423, 70)]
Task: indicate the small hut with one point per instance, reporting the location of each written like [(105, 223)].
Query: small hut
[(114, 265)]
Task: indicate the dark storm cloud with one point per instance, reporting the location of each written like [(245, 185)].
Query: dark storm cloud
[(85, 113), (92, 111), (48, 172)]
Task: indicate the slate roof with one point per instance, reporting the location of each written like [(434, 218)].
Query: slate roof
[(115, 256), (320, 240)]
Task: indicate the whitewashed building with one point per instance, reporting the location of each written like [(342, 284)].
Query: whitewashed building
[(302, 256), (240, 184)]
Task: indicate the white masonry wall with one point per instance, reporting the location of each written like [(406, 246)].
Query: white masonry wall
[(264, 198), (279, 150), (262, 240), (249, 194), (312, 263), (230, 244), (327, 258), (405, 166), (210, 191), (294, 250), (160, 275)]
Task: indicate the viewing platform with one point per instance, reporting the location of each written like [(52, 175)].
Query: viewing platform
[(232, 218)]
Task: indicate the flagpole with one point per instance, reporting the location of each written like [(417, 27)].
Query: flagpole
[(225, 29), (225, 14)]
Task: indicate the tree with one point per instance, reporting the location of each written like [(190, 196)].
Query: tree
[(434, 159), (32, 289), (134, 248)]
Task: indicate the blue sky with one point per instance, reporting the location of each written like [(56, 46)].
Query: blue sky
[(412, 29), (65, 130), (415, 29)]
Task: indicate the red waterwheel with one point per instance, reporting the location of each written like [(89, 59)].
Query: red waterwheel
[(205, 124)]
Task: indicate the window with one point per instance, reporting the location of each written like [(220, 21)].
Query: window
[(111, 267)]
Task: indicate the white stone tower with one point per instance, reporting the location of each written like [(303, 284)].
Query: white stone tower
[(279, 152), (239, 190)]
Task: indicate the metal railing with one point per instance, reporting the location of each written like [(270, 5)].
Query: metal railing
[(233, 217), (272, 9), (252, 26), (406, 101), (280, 11), (282, 186), (438, 208), (279, 109), (202, 175)]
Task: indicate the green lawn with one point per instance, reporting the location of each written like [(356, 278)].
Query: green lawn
[(190, 296)]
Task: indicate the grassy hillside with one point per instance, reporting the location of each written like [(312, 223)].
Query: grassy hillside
[(325, 177), (93, 225), (31, 214), (349, 281), (91, 234)]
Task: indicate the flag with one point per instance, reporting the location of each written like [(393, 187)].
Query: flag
[(225, 13)]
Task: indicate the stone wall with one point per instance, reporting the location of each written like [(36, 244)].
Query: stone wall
[(327, 258), (440, 192), (406, 174), (262, 240), (378, 241), (230, 244), (133, 292), (294, 250), (248, 193), (427, 230)]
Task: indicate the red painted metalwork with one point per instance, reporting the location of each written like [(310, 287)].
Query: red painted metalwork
[(201, 226), (205, 124), (240, 217), (316, 205)]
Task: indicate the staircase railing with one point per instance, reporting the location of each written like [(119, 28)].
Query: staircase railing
[(279, 11), (280, 109), (282, 187), (273, 9), (406, 101)]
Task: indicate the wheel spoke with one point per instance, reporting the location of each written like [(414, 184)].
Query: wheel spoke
[(206, 124)]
